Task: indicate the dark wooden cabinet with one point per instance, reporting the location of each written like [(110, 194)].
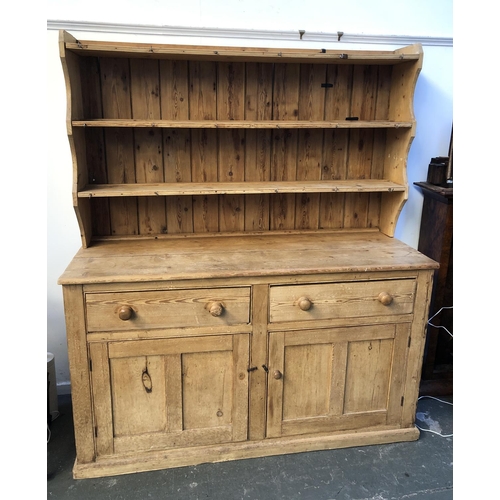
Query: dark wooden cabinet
[(436, 241)]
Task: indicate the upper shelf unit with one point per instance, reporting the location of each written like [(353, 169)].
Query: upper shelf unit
[(187, 139)]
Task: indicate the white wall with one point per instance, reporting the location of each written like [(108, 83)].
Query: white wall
[(433, 95)]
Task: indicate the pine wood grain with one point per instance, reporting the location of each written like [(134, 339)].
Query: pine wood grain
[(241, 255), (238, 292), (174, 85), (111, 190), (193, 52), (145, 102), (278, 123)]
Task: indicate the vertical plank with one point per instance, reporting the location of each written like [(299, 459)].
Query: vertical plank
[(240, 387), (283, 168), (310, 142), (363, 102), (379, 141), (403, 80), (307, 205), (174, 84), (258, 377), (79, 371), (335, 146), (231, 149), (416, 351), (97, 175), (338, 378), (80, 179), (115, 89), (75, 109), (173, 377), (145, 96), (94, 142), (275, 387), (121, 170), (286, 91), (284, 153), (356, 204), (204, 169), (258, 99), (203, 106), (177, 168), (383, 95), (394, 407), (398, 142), (101, 387)]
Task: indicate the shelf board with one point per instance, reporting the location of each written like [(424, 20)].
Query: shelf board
[(245, 124), (214, 188), (160, 51)]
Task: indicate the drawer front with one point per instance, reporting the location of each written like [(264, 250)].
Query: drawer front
[(341, 300), (167, 309)]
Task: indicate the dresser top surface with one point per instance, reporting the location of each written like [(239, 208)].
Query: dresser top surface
[(241, 255)]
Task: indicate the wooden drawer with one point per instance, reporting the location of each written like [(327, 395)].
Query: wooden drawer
[(341, 300), (167, 309)]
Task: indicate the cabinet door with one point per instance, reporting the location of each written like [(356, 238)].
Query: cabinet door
[(336, 379), (155, 394)]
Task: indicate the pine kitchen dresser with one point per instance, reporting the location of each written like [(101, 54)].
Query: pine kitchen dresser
[(239, 291)]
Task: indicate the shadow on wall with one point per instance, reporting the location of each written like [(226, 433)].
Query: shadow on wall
[(433, 108)]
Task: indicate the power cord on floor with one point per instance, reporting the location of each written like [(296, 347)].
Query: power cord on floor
[(432, 397), (430, 430)]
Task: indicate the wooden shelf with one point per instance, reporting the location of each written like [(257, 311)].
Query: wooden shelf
[(183, 52), (153, 127), (213, 188), (243, 124), (241, 254)]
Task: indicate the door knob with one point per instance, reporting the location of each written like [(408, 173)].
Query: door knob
[(304, 303), (215, 308), (125, 313), (384, 298)]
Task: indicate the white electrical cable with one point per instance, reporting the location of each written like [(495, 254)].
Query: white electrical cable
[(54, 415), (432, 397), (439, 326), (429, 430)]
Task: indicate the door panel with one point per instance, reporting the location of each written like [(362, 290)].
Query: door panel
[(369, 366), (335, 379), (168, 393), (139, 396), (305, 366), (206, 400)]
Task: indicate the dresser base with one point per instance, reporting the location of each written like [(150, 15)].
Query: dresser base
[(167, 459)]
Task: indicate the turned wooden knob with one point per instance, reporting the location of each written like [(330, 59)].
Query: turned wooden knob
[(215, 308), (304, 303), (384, 298), (125, 313), (277, 374)]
